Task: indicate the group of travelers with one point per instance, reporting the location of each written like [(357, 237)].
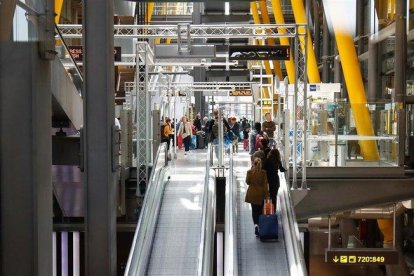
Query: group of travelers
[(263, 177)]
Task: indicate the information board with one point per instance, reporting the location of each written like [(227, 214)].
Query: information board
[(361, 256)]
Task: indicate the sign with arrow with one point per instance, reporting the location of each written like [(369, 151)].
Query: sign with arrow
[(361, 256)]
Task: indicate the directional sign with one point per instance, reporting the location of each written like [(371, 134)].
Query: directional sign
[(259, 52), (244, 92), (77, 53), (361, 256)]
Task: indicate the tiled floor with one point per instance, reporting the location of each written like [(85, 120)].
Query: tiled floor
[(177, 238), (255, 257)]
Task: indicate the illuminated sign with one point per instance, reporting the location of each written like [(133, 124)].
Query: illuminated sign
[(244, 92), (264, 102), (259, 52), (77, 53), (361, 256)]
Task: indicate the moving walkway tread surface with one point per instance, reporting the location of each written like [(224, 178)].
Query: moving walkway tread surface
[(177, 236), (255, 257)]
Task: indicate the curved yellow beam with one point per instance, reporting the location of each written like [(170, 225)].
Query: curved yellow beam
[(355, 86), (256, 20), (386, 227), (312, 65), (271, 41), (278, 14), (58, 10)]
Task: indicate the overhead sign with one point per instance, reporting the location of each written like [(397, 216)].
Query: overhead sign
[(259, 52), (264, 102), (77, 53), (361, 256), (244, 92)]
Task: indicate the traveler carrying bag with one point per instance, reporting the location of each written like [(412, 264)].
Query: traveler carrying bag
[(268, 228)]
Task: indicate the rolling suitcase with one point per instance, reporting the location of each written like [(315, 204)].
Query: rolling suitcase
[(180, 141), (268, 228), (268, 224), (200, 141)]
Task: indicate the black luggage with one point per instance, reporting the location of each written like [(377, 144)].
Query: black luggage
[(200, 141)]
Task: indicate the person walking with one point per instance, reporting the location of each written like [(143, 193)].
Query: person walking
[(197, 122), (272, 166), (186, 133), (166, 132), (257, 191), (269, 127)]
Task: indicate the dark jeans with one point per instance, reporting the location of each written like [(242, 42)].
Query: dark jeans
[(164, 140), (256, 212), (273, 189), (187, 142)]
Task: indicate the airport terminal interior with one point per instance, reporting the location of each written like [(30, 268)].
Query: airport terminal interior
[(271, 137)]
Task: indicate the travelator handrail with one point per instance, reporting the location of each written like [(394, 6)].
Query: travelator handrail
[(296, 260), (145, 231), (230, 229), (78, 71), (206, 252)]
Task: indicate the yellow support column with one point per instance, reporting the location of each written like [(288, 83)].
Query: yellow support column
[(58, 10), (278, 14), (355, 86), (271, 41), (312, 65)]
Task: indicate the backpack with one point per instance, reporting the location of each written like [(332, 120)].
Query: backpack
[(162, 132), (258, 143)]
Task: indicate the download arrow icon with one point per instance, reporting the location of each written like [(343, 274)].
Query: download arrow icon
[(335, 259)]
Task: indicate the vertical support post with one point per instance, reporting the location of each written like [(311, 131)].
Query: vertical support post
[(316, 29), (295, 117), (393, 226), (305, 111), (329, 231), (325, 50), (220, 138), (143, 114), (26, 161), (99, 177), (400, 73)]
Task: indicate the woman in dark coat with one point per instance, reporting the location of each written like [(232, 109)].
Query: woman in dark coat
[(272, 166)]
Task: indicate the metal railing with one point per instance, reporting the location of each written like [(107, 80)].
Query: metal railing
[(230, 246), (145, 231), (296, 260), (72, 63), (206, 253)]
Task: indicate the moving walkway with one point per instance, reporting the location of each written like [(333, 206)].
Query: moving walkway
[(175, 233), (246, 254)]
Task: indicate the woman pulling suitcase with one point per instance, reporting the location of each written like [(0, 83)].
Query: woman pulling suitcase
[(257, 191)]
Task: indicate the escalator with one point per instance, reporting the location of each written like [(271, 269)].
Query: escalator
[(175, 232), (248, 255)]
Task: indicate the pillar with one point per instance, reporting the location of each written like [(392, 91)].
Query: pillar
[(99, 177)]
